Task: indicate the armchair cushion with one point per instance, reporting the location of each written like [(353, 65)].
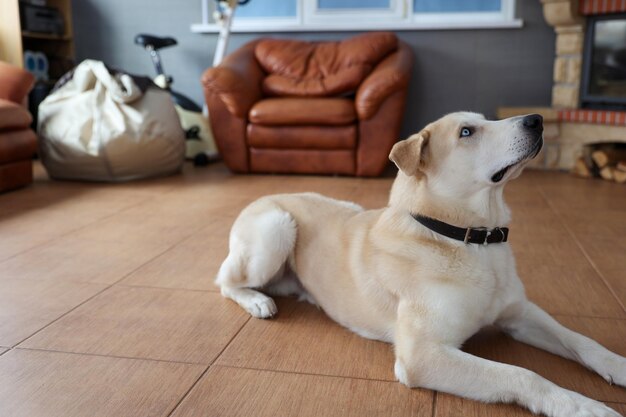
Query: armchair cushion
[(303, 111), (17, 145), (298, 68), (302, 137)]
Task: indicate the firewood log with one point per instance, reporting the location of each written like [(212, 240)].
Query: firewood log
[(621, 166), (581, 169), (607, 173), (619, 176), (608, 156)]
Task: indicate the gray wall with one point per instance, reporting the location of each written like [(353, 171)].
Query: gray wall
[(476, 70)]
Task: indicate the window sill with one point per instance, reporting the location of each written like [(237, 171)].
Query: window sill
[(347, 27)]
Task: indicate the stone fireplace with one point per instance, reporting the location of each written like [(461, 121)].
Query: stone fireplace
[(568, 128)]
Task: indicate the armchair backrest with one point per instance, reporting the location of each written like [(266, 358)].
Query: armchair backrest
[(321, 69)]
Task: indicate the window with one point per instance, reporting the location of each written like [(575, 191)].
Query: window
[(339, 15)]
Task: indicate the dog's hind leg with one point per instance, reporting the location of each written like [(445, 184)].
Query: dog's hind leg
[(260, 243)]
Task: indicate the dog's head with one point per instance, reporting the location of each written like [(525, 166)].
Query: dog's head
[(464, 151)]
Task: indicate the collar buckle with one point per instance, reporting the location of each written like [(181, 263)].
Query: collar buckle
[(488, 232), (468, 234)]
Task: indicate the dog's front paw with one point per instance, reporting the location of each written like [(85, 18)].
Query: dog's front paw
[(571, 404), (612, 368)]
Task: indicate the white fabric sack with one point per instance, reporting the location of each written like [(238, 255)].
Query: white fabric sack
[(103, 127)]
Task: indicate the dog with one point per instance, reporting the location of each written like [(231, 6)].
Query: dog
[(424, 273)]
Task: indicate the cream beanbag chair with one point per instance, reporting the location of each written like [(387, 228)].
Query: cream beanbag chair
[(101, 125)]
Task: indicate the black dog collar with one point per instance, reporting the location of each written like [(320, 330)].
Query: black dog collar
[(477, 235)]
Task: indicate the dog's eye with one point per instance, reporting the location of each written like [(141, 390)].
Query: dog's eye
[(465, 132)]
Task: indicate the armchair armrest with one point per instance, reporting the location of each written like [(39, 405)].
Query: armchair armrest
[(236, 81), (390, 76), (15, 83)]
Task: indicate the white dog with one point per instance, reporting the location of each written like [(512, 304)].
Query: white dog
[(424, 273)]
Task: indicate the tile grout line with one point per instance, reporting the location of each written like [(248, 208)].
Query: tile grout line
[(92, 297), (582, 249), (282, 371), (434, 413), (120, 284), (186, 394), (100, 355), (69, 232), (587, 317)]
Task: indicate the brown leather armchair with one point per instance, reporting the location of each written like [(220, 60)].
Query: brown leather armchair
[(18, 142), (282, 106)]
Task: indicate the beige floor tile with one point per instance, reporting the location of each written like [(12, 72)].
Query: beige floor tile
[(38, 214), (13, 244), (620, 408), (191, 264), (28, 305), (75, 259), (139, 225), (447, 405), (524, 193), (598, 222), (52, 384), (608, 253), (569, 288), (242, 392), (278, 344), (537, 223), (451, 406), (150, 323), (3, 350), (611, 333), (567, 193), (557, 248), (95, 199)]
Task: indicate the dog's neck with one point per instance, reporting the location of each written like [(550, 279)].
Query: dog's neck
[(485, 208)]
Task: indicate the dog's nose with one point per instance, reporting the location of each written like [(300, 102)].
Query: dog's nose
[(533, 122)]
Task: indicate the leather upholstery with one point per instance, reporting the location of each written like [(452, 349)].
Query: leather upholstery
[(236, 81), (15, 83), (298, 68), (18, 143), (303, 111), (13, 116), (378, 134), (302, 137), (15, 175), (297, 161), (310, 107), (391, 75)]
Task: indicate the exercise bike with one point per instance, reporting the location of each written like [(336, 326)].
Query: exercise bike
[(200, 143), (200, 146)]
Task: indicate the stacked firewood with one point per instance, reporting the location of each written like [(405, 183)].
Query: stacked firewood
[(607, 161)]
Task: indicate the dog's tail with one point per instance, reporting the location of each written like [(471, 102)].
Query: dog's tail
[(260, 244)]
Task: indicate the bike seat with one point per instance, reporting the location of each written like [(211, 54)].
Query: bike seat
[(155, 42)]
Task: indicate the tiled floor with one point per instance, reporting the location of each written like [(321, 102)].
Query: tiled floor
[(107, 306)]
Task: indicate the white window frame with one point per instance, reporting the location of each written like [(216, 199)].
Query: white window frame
[(334, 18), (399, 16)]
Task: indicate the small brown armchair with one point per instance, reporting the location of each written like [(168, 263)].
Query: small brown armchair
[(283, 106), (18, 142)]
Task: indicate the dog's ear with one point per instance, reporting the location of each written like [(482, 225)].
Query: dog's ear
[(409, 155)]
